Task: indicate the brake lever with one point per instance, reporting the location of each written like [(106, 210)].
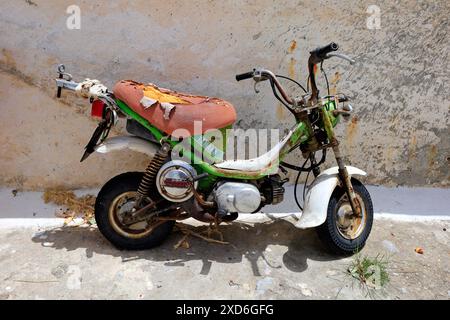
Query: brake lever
[(340, 55), (255, 87)]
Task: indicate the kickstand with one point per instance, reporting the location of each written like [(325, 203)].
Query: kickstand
[(214, 228)]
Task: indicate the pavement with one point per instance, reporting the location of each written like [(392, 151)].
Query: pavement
[(267, 258)]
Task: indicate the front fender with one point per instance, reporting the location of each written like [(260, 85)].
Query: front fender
[(318, 195), (127, 142)]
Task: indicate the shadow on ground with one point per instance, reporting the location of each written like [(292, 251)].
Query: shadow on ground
[(246, 241)]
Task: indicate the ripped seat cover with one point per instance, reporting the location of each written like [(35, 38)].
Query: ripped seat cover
[(170, 110)]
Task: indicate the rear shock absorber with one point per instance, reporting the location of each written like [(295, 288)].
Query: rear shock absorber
[(150, 173)]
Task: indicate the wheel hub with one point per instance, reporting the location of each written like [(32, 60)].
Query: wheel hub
[(349, 225), (120, 209)]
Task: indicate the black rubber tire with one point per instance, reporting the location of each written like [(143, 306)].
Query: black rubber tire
[(328, 231), (124, 182)]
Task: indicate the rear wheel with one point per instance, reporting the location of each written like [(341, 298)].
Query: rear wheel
[(342, 232), (116, 199)]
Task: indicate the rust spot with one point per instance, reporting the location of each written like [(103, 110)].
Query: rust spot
[(8, 58), (432, 155), (292, 63), (293, 46), (389, 153), (413, 148), (352, 129), (333, 83), (280, 112), (31, 3)]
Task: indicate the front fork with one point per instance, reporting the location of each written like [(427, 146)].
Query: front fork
[(343, 174), (346, 182)]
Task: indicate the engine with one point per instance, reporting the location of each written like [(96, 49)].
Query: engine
[(174, 181), (237, 197), (273, 189)]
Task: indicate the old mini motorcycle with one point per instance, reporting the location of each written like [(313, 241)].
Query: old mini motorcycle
[(188, 174)]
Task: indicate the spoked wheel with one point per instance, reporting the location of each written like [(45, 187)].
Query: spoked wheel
[(114, 202), (343, 232)]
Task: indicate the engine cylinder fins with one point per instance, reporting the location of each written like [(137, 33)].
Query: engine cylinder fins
[(277, 194), (273, 189), (175, 181)]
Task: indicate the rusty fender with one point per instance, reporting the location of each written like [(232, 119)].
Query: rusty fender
[(127, 142), (318, 196)]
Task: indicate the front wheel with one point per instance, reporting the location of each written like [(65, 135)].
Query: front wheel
[(342, 232), (117, 198)]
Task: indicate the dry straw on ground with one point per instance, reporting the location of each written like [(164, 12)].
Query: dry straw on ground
[(76, 207)]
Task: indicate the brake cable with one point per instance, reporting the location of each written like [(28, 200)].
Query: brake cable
[(290, 79), (296, 184), (275, 93), (325, 76), (274, 90), (303, 169)]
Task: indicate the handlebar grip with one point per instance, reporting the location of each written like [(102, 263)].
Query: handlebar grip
[(322, 51), (243, 76)]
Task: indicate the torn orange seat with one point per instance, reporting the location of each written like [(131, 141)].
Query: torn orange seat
[(213, 113)]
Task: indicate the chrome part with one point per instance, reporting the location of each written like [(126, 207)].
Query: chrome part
[(127, 142), (175, 181), (66, 84), (257, 75), (237, 197), (61, 68), (62, 73)]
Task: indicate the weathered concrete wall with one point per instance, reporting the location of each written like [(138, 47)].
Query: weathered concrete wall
[(400, 134)]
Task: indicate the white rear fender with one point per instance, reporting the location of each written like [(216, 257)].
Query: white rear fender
[(127, 142), (318, 196)]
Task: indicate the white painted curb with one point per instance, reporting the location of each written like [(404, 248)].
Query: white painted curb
[(16, 223)]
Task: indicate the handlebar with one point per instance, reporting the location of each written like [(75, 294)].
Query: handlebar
[(88, 88), (317, 56)]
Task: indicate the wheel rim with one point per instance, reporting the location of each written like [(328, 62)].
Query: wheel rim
[(122, 204), (349, 226)]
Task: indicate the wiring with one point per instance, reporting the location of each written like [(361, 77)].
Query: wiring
[(326, 78), (290, 79), (304, 185), (303, 169), (296, 184), (275, 93)]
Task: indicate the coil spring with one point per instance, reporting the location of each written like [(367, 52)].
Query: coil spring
[(152, 169)]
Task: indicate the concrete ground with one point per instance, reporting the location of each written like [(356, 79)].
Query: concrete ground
[(266, 260)]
